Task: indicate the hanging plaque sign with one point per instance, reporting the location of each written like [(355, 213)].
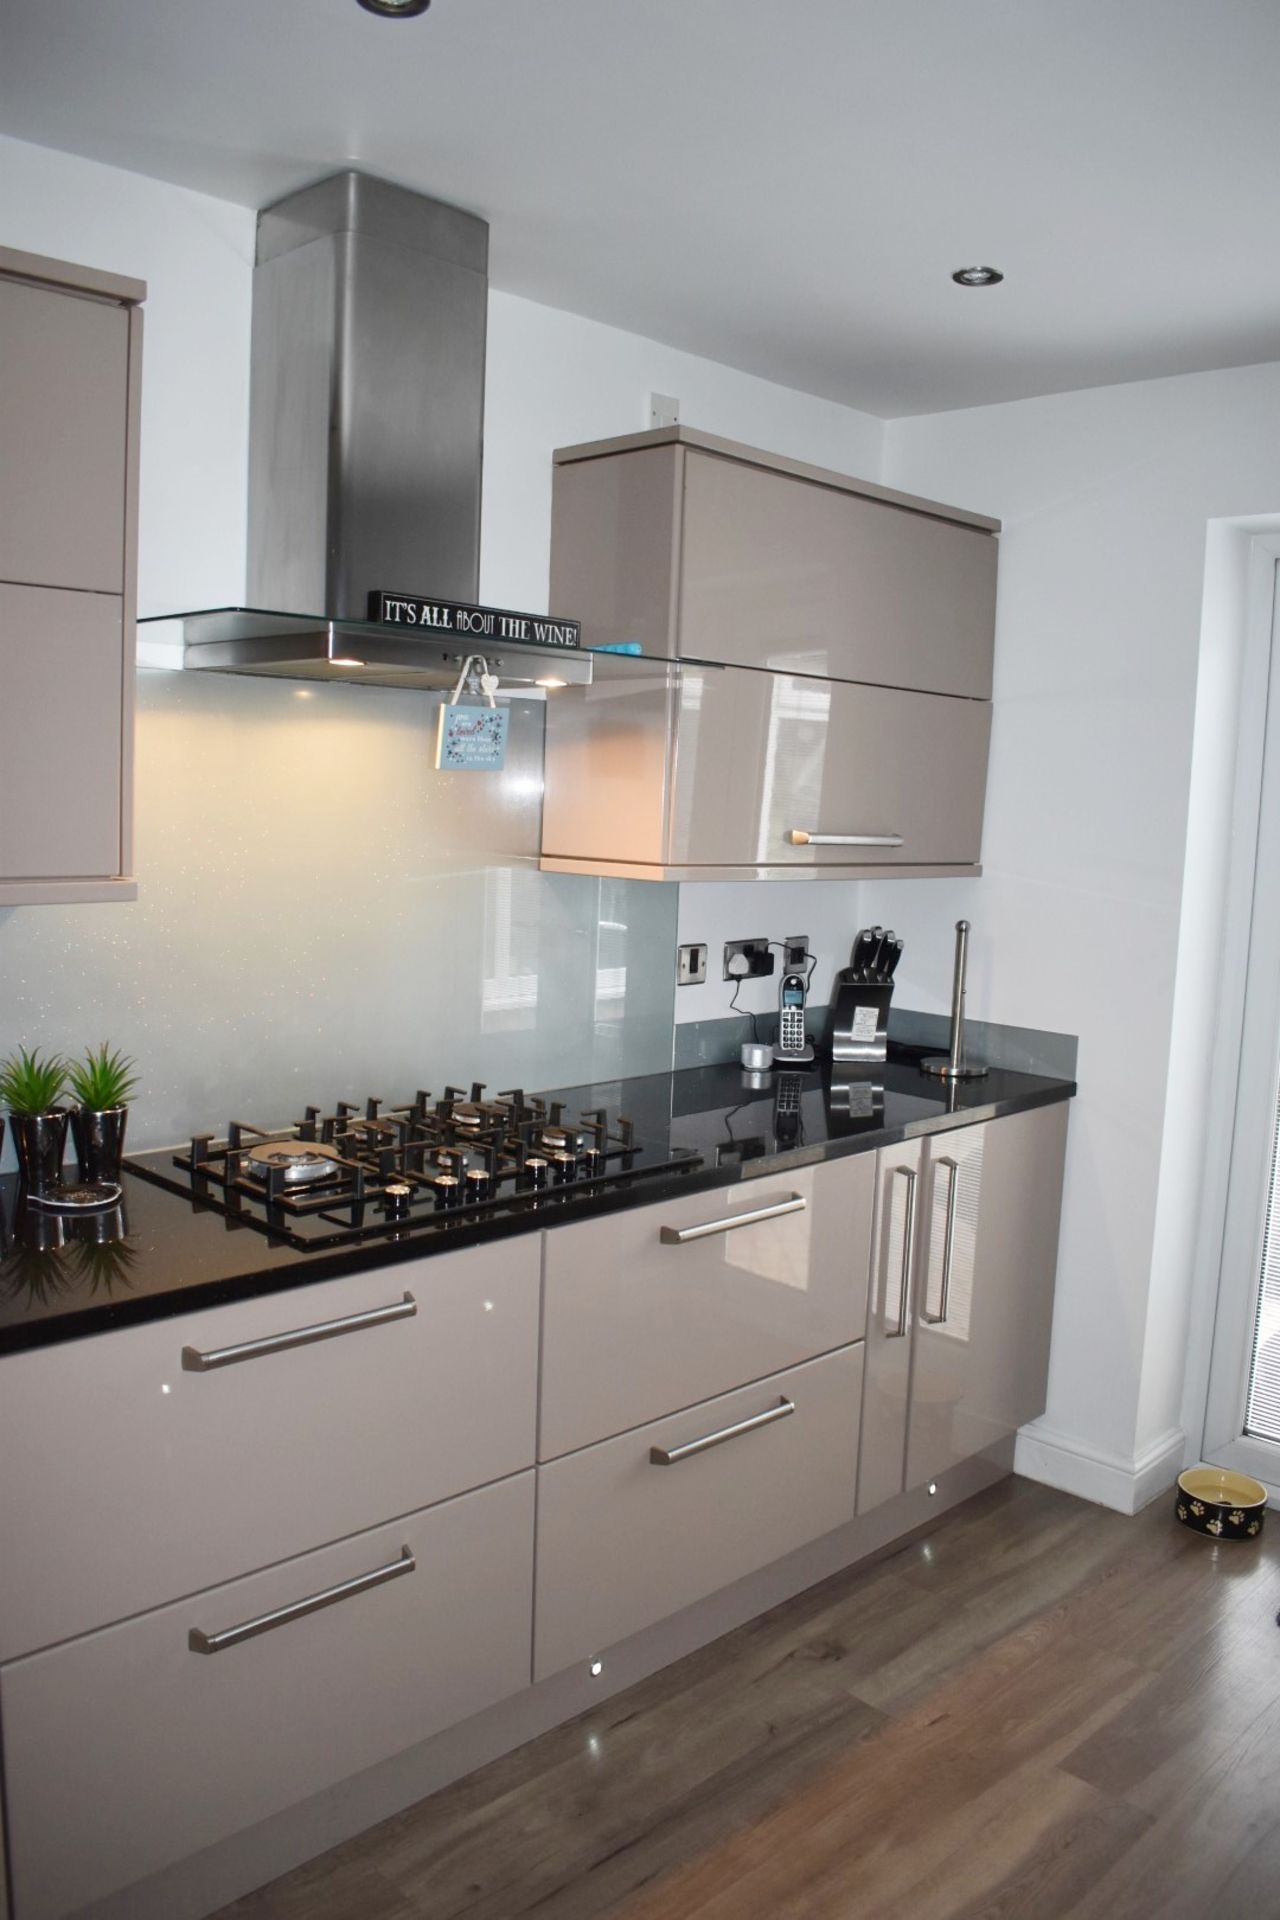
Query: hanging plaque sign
[(476, 625), (472, 737)]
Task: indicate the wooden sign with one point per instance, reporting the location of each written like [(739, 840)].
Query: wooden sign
[(476, 627)]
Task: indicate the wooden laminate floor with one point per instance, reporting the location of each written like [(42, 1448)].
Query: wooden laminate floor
[(1042, 1710)]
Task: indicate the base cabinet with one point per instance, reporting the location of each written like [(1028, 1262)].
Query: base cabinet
[(961, 1302), (129, 1749)]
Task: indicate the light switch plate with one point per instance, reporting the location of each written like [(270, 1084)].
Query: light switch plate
[(691, 965)]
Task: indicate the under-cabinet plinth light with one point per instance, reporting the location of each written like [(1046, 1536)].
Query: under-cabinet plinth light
[(395, 9), (597, 1668), (977, 276)]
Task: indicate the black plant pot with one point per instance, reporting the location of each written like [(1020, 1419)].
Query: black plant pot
[(40, 1140), (99, 1138)]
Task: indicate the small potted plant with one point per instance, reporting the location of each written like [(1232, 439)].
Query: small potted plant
[(30, 1088), (101, 1083)]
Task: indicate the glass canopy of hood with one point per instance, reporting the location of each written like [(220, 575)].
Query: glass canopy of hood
[(298, 646)]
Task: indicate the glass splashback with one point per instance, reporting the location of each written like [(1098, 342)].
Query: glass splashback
[(323, 916)]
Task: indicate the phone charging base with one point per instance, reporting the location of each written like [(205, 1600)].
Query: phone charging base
[(802, 1059)]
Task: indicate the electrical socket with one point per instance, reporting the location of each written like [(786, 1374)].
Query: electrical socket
[(795, 952), (756, 954)]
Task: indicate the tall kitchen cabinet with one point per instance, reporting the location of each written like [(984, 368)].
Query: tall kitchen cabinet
[(964, 1254), (816, 683), (70, 369)]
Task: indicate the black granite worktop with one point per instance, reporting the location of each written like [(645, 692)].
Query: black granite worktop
[(159, 1254)]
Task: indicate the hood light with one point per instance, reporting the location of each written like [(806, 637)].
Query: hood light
[(550, 680), (395, 9), (977, 276), (344, 660)]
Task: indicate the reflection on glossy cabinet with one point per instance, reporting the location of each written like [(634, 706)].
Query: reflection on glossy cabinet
[(666, 773), (703, 549), (70, 366), (962, 1296)]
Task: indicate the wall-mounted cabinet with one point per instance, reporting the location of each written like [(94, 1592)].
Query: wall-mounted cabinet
[(70, 369), (688, 772), (828, 706)]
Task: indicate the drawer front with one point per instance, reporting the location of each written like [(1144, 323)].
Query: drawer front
[(153, 1480), (128, 1750), (636, 1324), (624, 1541), (894, 778)]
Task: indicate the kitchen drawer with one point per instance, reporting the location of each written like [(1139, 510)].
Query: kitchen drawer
[(150, 1480), (635, 1326), (127, 1750), (624, 1541)]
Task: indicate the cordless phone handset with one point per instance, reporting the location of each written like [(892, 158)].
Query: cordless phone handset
[(793, 1041)]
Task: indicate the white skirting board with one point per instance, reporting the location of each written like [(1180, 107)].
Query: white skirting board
[(1108, 1479)]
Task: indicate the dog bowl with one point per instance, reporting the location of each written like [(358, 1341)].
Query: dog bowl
[(1226, 1506)]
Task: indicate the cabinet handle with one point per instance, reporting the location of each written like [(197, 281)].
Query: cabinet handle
[(671, 1456), (200, 1642), (908, 1238), (799, 838), (194, 1361), (953, 1191), (681, 1236)]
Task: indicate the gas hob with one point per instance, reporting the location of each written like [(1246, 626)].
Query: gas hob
[(377, 1172)]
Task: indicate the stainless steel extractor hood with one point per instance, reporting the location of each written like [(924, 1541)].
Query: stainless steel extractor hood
[(366, 417)]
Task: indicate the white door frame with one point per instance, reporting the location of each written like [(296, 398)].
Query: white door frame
[(1247, 1054)]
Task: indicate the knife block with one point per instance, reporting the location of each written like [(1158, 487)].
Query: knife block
[(860, 1020)]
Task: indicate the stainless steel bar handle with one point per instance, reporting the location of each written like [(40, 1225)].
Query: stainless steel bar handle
[(799, 838), (681, 1236), (908, 1237), (200, 1642), (671, 1456), (948, 1243), (194, 1361)]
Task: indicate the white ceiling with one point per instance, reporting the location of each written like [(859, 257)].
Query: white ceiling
[(783, 185)]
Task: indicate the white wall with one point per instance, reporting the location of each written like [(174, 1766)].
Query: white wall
[(1106, 498), (196, 256)]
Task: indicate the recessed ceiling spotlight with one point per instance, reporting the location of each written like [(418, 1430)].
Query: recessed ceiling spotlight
[(977, 276), (395, 9)]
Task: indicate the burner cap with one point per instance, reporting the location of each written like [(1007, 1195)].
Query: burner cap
[(464, 1113), (304, 1161), (561, 1139)]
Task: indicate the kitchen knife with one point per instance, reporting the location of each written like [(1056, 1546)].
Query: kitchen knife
[(892, 957), (875, 966), (863, 947)]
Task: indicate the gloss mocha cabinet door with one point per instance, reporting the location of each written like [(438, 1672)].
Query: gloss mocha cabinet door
[(70, 372), (961, 1306), (135, 1747), (64, 433), (984, 1287), (694, 547), (656, 1308), (804, 577), (783, 770)]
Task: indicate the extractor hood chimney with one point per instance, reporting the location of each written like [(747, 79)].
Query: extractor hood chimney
[(366, 399)]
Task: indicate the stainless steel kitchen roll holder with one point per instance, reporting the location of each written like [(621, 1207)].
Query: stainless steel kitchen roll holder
[(955, 1064)]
